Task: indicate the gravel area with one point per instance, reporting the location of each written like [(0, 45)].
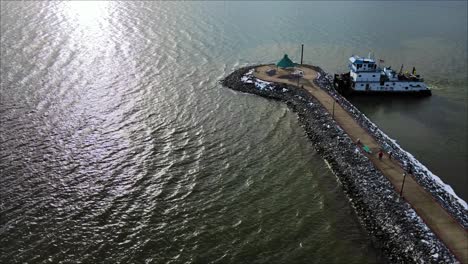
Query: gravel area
[(392, 224)]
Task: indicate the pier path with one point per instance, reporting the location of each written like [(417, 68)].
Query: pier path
[(449, 231)]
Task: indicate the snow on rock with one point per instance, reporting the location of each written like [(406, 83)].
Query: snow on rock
[(248, 77), (259, 84), (263, 85)]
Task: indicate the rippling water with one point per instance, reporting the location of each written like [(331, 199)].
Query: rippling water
[(118, 144)]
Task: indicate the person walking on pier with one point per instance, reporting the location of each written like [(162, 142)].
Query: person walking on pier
[(390, 155), (380, 154), (410, 169)]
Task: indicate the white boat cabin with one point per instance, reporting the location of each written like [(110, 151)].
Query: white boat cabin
[(367, 76)]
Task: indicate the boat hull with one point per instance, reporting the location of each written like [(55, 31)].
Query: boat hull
[(386, 93)]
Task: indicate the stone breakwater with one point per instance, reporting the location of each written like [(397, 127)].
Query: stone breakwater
[(393, 225)]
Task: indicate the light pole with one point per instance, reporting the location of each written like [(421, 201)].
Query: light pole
[(333, 110), (302, 52), (403, 184)]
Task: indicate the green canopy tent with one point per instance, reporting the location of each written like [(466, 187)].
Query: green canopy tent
[(367, 149), (285, 62)]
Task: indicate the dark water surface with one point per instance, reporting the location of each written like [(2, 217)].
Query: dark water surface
[(118, 144)]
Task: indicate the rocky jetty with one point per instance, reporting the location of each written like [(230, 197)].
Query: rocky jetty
[(392, 224)]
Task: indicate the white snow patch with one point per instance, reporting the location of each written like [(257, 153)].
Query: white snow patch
[(246, 79), (259, 84), (262, 85)]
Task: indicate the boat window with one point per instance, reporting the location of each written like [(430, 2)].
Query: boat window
[(373, 75), (359, 75)]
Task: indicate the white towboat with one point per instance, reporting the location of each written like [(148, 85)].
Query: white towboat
[(365, 76)]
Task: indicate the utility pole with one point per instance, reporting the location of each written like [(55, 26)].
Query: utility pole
[(302, 52)]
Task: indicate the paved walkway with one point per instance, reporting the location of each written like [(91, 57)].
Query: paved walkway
[(437, 219)]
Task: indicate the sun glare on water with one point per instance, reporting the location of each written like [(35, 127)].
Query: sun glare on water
[(86, 23), (87, 13)]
